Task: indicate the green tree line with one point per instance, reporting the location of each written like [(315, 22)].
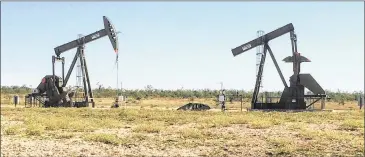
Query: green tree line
[(150, 92)]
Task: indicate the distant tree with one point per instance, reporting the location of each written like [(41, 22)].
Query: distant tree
[(150, 92)]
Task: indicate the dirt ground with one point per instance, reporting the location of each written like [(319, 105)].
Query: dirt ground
[(150, 129)]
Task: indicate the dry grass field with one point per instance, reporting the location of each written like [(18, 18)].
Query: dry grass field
[(154, 127)]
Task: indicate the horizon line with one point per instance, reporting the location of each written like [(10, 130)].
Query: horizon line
[(197, 89)]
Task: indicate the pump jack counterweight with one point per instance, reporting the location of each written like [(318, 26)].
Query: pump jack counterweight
[(293, 95), (51, 92)]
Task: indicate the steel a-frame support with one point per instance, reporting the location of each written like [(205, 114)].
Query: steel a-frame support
[(261, 70), (85, 74), (85, 77)]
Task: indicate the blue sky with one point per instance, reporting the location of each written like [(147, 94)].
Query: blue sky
[(184, 44)]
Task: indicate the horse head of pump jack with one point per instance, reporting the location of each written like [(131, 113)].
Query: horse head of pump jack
[(112, 34)]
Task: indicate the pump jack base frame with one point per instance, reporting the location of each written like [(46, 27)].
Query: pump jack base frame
[(78, 104)]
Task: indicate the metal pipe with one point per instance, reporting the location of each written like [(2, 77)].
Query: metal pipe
[(53, 70), (276, 65), (63, 69)]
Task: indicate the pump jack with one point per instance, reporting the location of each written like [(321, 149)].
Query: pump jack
[(293, 96), (52, 87)]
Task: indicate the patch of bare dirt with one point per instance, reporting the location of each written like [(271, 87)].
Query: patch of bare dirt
[(76, 147)]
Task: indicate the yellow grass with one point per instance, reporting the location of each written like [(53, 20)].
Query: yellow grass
[(154, 126)]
